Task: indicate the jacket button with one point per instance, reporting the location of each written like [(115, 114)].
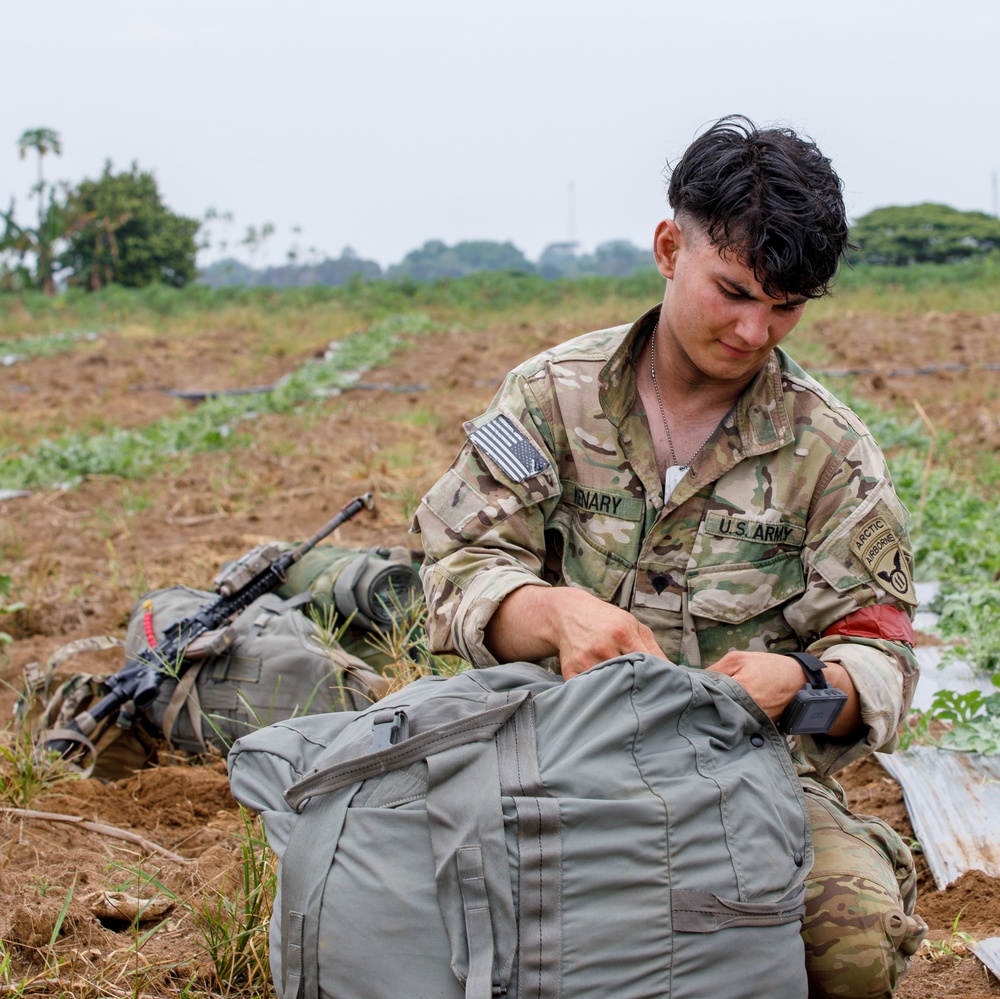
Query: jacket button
[(797, 857), (757, 740)]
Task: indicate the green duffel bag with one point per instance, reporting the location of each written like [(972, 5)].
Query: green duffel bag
[(362, 592), (636, 832)]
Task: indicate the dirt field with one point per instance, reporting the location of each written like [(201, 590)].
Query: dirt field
[(80, 558)]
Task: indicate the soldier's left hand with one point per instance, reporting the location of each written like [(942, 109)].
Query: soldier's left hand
[(771, 680)]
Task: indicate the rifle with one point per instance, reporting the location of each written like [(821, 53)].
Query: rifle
[(139, 680)]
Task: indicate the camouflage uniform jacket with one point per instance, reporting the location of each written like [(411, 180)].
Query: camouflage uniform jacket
[(785, 523)]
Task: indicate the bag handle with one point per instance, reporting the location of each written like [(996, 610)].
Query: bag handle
[(474, 728)]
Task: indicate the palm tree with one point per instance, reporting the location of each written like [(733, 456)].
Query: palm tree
[(43, 141)]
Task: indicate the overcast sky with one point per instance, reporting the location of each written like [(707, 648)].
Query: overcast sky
[(381, 124)]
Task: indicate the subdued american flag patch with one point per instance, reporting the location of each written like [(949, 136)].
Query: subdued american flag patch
[(502, 441)]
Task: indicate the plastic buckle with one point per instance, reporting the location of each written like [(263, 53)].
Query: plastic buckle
[(389, 729)]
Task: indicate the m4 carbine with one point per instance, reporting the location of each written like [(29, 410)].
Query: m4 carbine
[(140, 679)]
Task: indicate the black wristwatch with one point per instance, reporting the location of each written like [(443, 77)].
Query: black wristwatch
[(817, 706)]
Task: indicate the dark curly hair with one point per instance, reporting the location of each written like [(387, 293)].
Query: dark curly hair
[(769, 196)]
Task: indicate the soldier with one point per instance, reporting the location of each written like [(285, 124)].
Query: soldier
[(681, 487)]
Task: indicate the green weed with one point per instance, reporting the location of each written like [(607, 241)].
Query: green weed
[(235, 930), (214, 425), (972, 723), (25, 773), (44, 345)]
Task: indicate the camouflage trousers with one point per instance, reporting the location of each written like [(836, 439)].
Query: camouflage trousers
[(860, 931)]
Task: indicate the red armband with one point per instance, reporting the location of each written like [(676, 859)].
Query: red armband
[(877, 621)]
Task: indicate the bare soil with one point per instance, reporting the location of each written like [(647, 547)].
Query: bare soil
[(80, 558)]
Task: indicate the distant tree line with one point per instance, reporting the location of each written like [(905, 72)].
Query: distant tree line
[(927, 233), (116, 229), (436, 260)]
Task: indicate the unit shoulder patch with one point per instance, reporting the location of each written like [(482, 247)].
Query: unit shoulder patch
[(877, 545), (505, 443)]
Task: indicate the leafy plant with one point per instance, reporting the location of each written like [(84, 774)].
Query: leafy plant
[(971, 720), (957, 945), (972, 616)]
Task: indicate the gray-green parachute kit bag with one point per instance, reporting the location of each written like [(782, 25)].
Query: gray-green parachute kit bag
[(638, 831)]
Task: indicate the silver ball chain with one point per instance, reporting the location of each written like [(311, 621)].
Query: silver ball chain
[(663, 415)]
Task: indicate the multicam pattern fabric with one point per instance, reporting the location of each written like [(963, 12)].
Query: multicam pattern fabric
[(860, 930), (785, 523)]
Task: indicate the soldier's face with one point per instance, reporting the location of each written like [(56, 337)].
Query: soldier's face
[(719, 323)]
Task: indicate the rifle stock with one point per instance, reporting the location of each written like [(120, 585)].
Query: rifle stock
[(140, 679)]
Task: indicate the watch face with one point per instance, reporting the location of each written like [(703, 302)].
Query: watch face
[(813, 711)]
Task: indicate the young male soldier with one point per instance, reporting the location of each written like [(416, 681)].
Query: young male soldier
[(681, 487)]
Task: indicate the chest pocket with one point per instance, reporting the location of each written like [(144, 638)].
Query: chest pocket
[(738, 594), (596, 560)]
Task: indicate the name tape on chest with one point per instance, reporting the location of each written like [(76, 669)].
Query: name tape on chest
[(504, 443), (591, 499), (878, 548), (756, 531)]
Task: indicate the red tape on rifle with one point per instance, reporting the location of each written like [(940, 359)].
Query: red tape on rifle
[(147, 623)]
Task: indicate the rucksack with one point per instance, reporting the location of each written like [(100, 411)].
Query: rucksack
[(637, 831), (271, 662), (124, 743), (276, 664)]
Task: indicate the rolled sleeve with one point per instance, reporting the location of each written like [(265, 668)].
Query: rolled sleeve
[(884, 674)]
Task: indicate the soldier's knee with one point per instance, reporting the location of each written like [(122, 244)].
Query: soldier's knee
[(860, 931), (858, 941)]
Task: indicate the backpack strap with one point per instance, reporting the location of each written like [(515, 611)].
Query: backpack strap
[(186, 694), (465, 821), (540, 855)]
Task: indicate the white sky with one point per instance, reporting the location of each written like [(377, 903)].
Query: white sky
[(381, 124)]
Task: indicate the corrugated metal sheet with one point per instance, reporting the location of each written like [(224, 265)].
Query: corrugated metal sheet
[(988, 951), (954, 805)]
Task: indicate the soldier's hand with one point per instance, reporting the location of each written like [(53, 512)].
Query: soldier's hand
[(773, 680), (581, 629)]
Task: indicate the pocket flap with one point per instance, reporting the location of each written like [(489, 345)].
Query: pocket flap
[(734, 594)]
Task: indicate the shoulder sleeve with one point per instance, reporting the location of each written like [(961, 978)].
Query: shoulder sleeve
[(483, 523)]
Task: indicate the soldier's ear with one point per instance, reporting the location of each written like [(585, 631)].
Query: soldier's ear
[(666, 242)]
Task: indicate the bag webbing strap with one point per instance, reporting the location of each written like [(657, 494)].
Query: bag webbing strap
[(465, 821), (539, 851), (539, 898), (68, 735), (702, 912), (478, 922), (185, 693), (474, 728), (292, 966), (305, 867)]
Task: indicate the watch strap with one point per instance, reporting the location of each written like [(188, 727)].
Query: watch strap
[(813, 668)]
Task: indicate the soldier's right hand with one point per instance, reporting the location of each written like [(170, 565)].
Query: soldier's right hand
[(534, 622)]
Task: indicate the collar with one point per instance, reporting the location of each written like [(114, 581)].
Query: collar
[(618, 389), (758, 423)]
